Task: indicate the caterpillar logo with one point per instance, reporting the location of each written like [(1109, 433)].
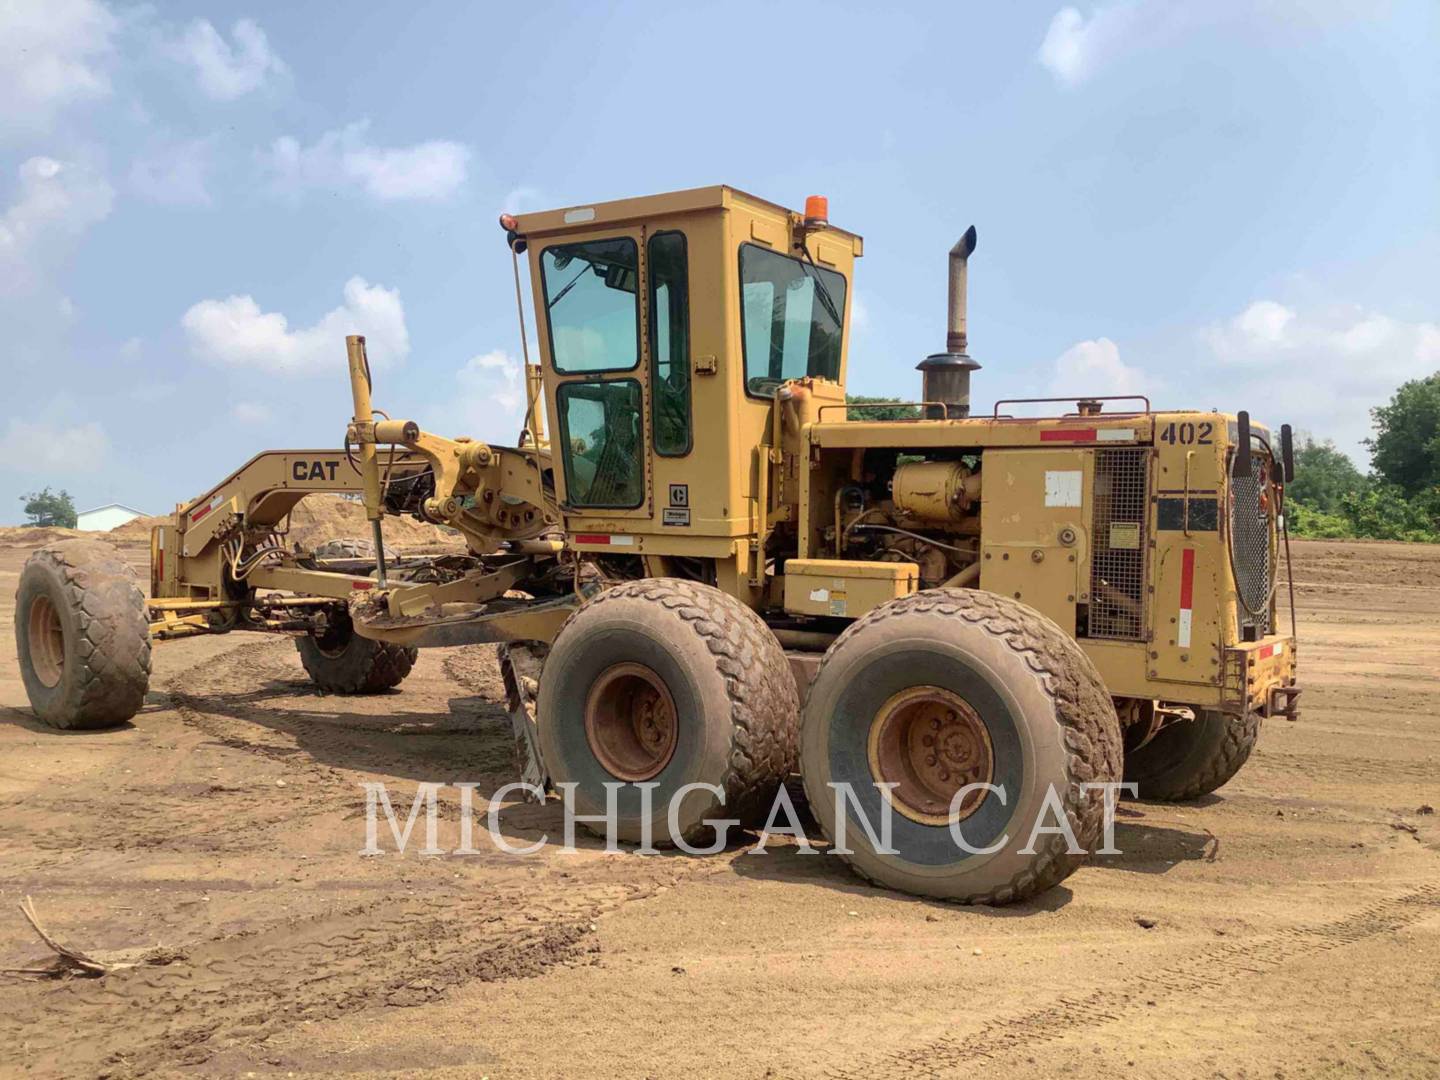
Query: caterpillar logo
[(314, 470)]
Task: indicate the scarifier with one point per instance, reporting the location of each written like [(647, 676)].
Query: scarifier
[(695, 533)]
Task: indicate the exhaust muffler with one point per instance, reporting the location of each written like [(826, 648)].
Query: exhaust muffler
[(947, 375)]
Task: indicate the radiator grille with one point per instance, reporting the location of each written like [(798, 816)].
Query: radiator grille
[(1118, 545), (1252, 529)]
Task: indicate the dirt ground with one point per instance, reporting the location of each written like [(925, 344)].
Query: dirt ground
[(1296, 913)]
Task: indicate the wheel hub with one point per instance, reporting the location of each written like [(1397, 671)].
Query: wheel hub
[(930, 743), (631, 722), (47, 642)]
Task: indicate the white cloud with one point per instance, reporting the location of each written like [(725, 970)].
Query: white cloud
[(57, 202), (225, 71), (41, 447), (1095, 367), (1267, 334), (1265, 322), (489, 402), (52, 54), (495, 380), (520, 200), (175, 174), (344, 158), (1075, 46), (859, 313), (234, 332), (251, 412), (1321, 370), (131, 348)]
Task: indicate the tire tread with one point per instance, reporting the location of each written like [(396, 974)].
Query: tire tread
[(763, 705), (112, 651), (1083, 709)]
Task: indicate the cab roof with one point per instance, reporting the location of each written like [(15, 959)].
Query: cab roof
[(587, 216)]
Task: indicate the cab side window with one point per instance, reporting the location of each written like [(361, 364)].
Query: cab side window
[(670, 343)]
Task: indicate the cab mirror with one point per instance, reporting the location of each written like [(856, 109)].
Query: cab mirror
[(1241, 465), (621, 277)]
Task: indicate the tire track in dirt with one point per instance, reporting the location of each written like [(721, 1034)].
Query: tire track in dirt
[(251, 986), (1210, 969), (1350, 769), (393, 947)]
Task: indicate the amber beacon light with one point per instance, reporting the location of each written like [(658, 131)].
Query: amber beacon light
[(817, 210)]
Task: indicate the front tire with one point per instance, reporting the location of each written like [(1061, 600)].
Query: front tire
[(949, 687), (340, 661), (668, 682), (1191, 758), (83, 635)]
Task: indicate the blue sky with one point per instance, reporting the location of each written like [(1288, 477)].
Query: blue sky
[(1223, 205)]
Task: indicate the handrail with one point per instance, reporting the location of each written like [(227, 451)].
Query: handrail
[(885, 405), (1077, 397)]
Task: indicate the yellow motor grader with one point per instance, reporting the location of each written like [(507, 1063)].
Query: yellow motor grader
[(708, 571)]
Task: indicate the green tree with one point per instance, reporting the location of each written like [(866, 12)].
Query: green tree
[(881, 408), (1406, 448), (1382, 512), (50, 508), (1317, 524), (1323, 476)]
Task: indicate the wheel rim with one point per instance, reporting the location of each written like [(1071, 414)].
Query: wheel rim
[(630, 722), (333, 642), (47, 642), (930, 743)]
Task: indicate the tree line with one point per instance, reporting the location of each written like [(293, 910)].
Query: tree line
[(1400, 497)]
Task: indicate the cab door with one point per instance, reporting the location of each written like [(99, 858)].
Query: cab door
[(590, 305)]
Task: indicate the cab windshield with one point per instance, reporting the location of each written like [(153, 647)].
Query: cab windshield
[(792, 312)]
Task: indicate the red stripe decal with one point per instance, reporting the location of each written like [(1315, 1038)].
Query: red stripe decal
[(1265, 653), (1068, 435), (362, 585), (1187, 579), (592, 538), (200, 514)]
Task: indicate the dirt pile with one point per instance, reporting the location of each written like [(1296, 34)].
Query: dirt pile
[(34, 536), (319, 518), (139, 529), (329, 517)]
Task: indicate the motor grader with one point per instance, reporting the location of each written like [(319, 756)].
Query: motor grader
[(708, 571)]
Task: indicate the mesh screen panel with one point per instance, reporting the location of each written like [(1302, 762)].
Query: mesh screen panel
[(1118, 545), (1251, 533)]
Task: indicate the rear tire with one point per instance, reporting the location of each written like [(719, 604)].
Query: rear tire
[(82, 635), (1192, 758), (340, 661), (948, 687), (668, 682)]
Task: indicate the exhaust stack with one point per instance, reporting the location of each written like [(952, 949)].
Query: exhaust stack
[(947, 374)]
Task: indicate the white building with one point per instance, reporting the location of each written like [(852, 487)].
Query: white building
[(105, 518)]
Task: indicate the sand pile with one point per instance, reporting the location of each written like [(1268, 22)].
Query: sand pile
[(329, 517), (139, 529), (38, 535)]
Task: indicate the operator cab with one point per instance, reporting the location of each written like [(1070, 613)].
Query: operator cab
[(666, 325)]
